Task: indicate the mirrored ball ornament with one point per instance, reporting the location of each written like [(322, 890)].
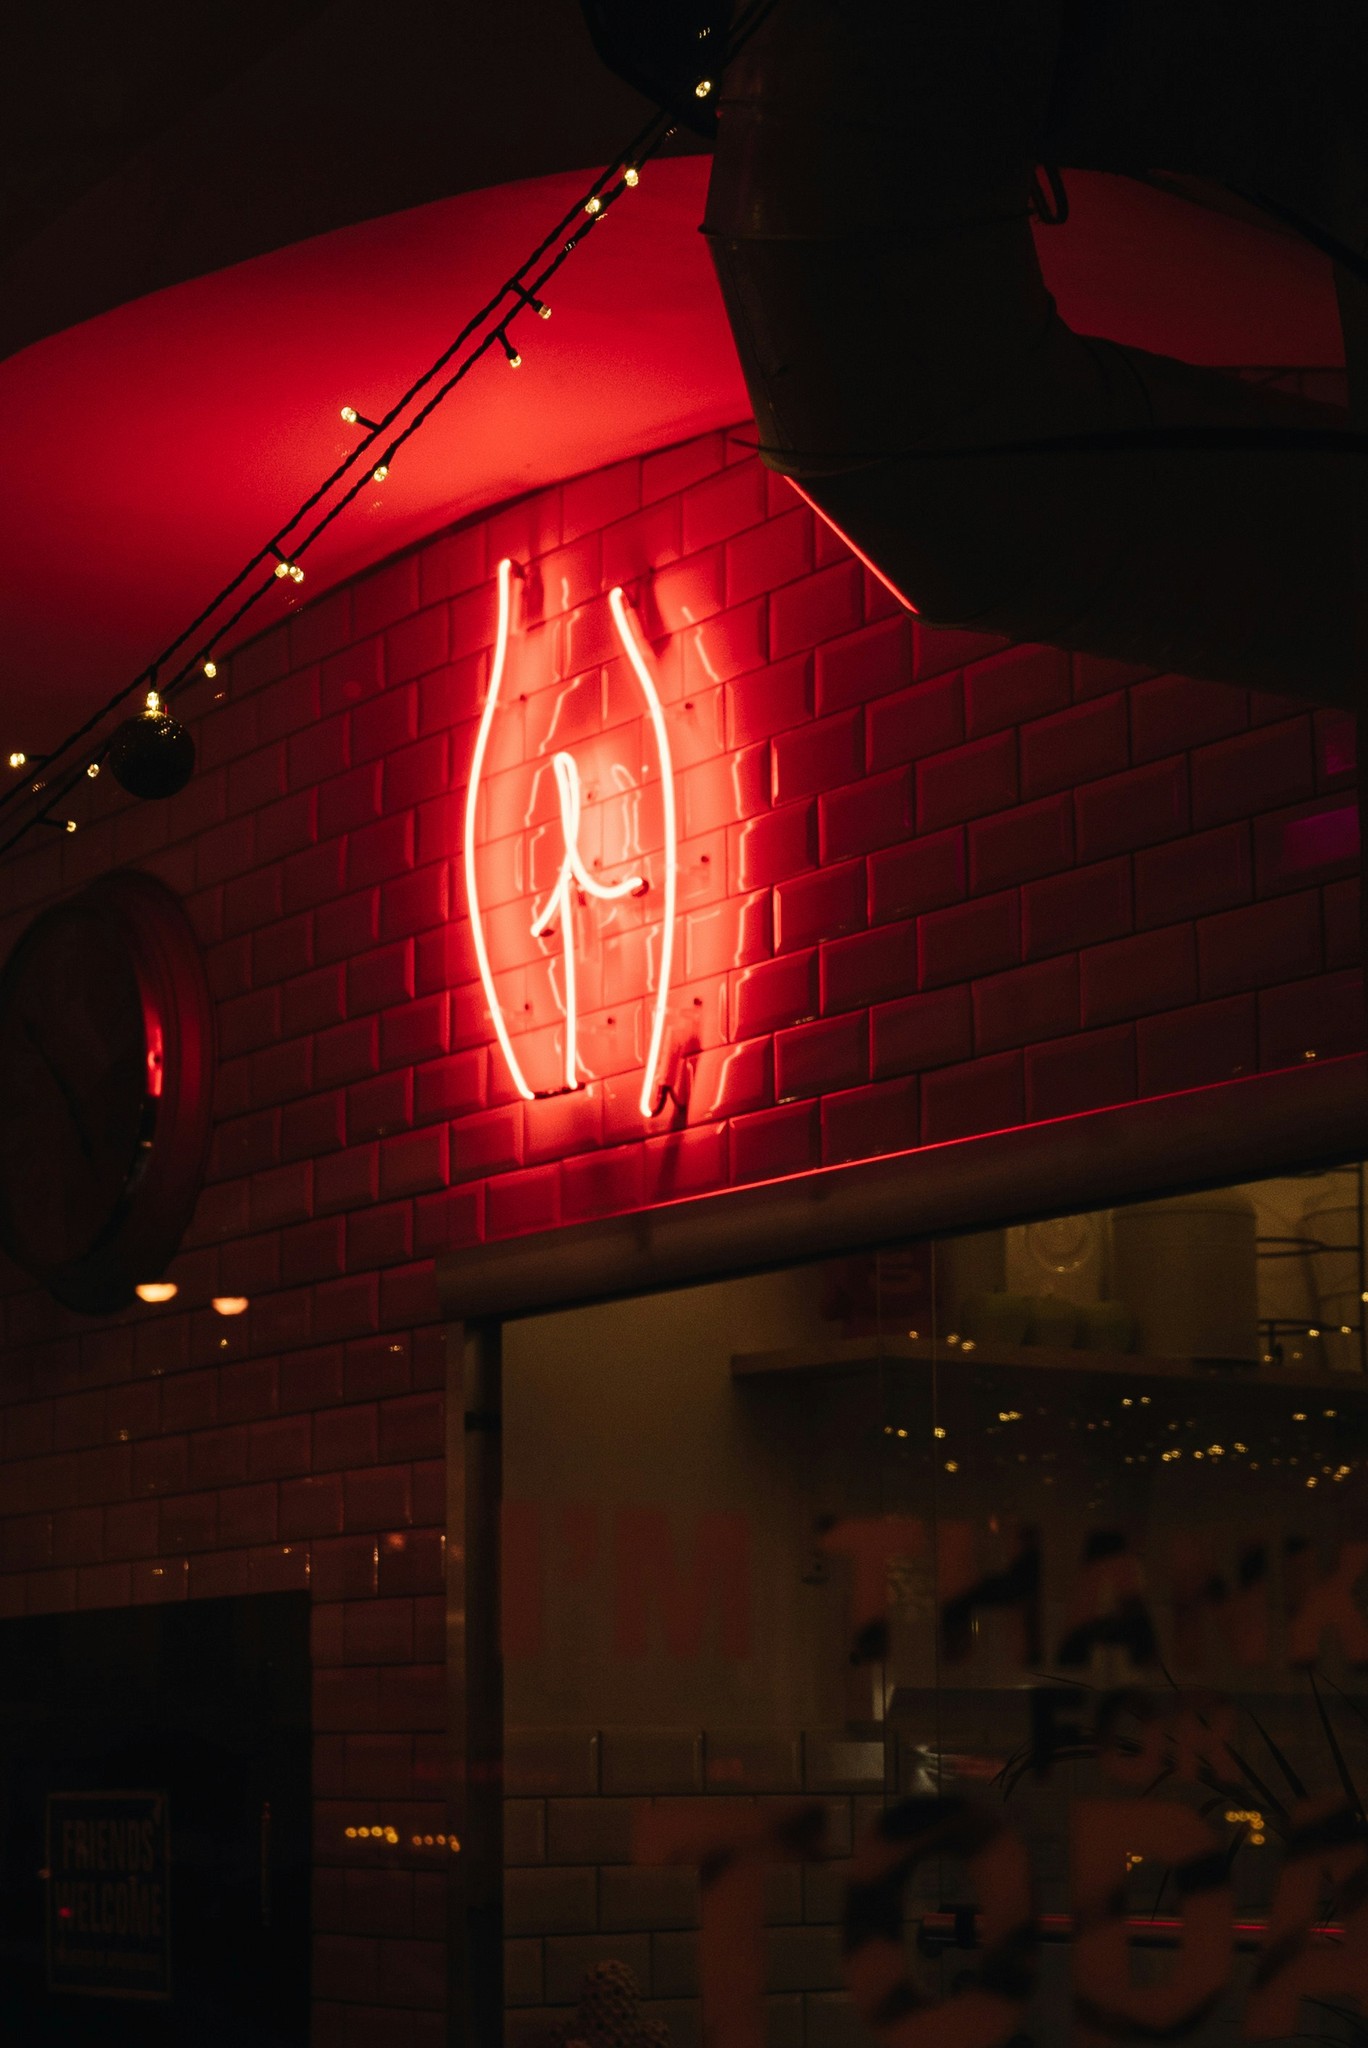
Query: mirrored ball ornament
[(152, 755)]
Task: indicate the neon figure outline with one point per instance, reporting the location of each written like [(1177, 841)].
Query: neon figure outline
[(573, 876)]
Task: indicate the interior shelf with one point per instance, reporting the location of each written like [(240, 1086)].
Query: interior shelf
[(851, 1355)]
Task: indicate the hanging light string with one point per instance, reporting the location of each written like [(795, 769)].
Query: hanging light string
[(490, 324), (281, 550)]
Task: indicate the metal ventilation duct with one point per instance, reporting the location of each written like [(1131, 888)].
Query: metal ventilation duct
[(869, 216)]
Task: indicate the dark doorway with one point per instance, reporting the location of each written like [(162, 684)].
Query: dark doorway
[(154, 1826)]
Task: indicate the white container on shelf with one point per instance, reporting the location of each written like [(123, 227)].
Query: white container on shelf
[(1187, 1269)]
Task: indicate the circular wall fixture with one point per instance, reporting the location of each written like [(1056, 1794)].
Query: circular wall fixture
[(107, 1057)]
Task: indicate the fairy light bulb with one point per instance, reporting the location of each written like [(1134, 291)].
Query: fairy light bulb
[(70, 825), (211, 669), (379, 473), (349, 415), (631, 176), (703, 88), (18, 760), (282, 568), (514, 359), (593, 204), (153, 704), (93, 770)]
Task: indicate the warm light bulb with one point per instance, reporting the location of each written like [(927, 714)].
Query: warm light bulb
[(593, 205), (703, 88), (349, 415), (211, 669), (543, 310), (93, 770), (282, 568), (379, 474), (153, 703), (21, 761), (156, 1290), (230, 1304), (70, 825), (296, 573), (631, 176)]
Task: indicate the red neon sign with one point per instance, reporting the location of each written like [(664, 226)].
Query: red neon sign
[(554, 922)]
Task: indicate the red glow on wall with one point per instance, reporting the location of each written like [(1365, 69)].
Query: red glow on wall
[(589, 818)]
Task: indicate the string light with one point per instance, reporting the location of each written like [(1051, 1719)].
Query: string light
[(644, 144), (153, 704), (211, 669), (532, 302), (703, 88), (549, 254), (93, 770)]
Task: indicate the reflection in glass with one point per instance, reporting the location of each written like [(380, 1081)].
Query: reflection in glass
[(1061, 1526)]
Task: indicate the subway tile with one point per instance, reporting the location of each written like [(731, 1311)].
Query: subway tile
[(1252, 772), (651, 1760), (631, 1897), (1009, 688), (1170, 714), (553, 1900), (561, 1764)]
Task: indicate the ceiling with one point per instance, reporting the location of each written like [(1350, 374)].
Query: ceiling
[(153, 447)]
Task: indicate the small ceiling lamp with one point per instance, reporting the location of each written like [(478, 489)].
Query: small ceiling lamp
[(156, 1290), (230, 1304), (152, 755)]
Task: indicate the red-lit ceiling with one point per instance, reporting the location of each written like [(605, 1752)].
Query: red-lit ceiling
[(153, 448)]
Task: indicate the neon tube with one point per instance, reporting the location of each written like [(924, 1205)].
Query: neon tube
[(573, 875), (631, 648), (560, 902), (496, 676)]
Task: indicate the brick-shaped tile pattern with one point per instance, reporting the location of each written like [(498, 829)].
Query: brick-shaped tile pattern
[(931, 885)]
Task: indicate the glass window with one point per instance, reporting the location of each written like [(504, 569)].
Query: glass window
[(1012, 1578)]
